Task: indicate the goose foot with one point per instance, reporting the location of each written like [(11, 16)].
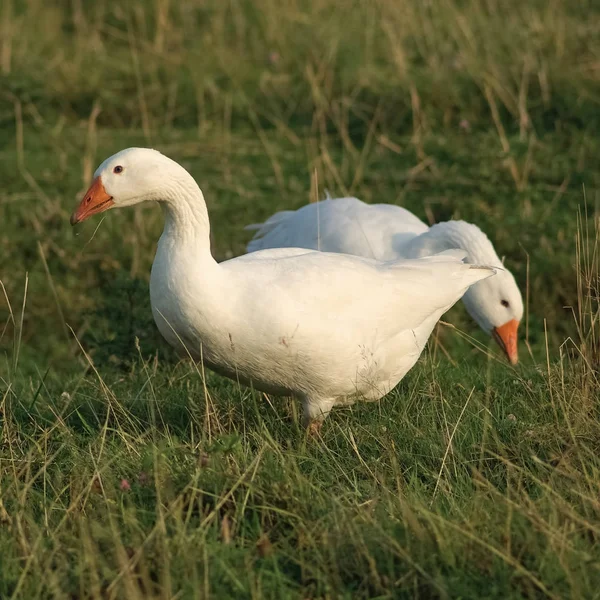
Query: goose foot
[(314, 428), (315, 412)]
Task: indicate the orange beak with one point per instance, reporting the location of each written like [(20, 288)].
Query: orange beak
[(506, 336), (95, 201)]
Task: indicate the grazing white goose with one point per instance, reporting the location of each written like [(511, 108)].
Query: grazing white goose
[(388, 232), (325, 328)]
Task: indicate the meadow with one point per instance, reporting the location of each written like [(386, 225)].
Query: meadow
[(127, 473)]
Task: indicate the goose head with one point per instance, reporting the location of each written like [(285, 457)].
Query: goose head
[(497, 307), (495, 303), (129, 177)]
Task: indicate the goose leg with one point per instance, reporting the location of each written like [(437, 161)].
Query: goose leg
[(315, 412)]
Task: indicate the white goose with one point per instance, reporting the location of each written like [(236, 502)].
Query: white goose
[(387, 232), (325, 328)]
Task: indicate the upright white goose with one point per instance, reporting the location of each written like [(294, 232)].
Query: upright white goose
[(325, 328), (386, 232)]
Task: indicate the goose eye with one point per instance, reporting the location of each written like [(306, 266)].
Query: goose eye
[(505, 303), (118, 169)]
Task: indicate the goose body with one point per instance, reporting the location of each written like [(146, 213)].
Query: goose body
[(323, 327), (386, 232)]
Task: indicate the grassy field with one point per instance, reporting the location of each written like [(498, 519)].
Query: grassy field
[(127, 474)]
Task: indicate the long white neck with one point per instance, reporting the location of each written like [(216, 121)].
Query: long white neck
[(186, 216), (455, 234)]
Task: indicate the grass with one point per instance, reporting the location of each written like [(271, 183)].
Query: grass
[(127, 474)]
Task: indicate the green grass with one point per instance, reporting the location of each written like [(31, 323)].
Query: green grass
[(127, 474)]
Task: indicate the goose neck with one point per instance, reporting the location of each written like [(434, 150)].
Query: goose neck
[(456, 234), (186, 215)]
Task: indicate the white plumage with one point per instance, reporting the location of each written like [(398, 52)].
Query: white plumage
[(325, 328), (387, 232)]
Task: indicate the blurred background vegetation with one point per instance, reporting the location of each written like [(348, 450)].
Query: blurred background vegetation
[(482, 110)]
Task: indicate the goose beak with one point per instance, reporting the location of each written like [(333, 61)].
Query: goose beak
[(96, 200), (506, 336)]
